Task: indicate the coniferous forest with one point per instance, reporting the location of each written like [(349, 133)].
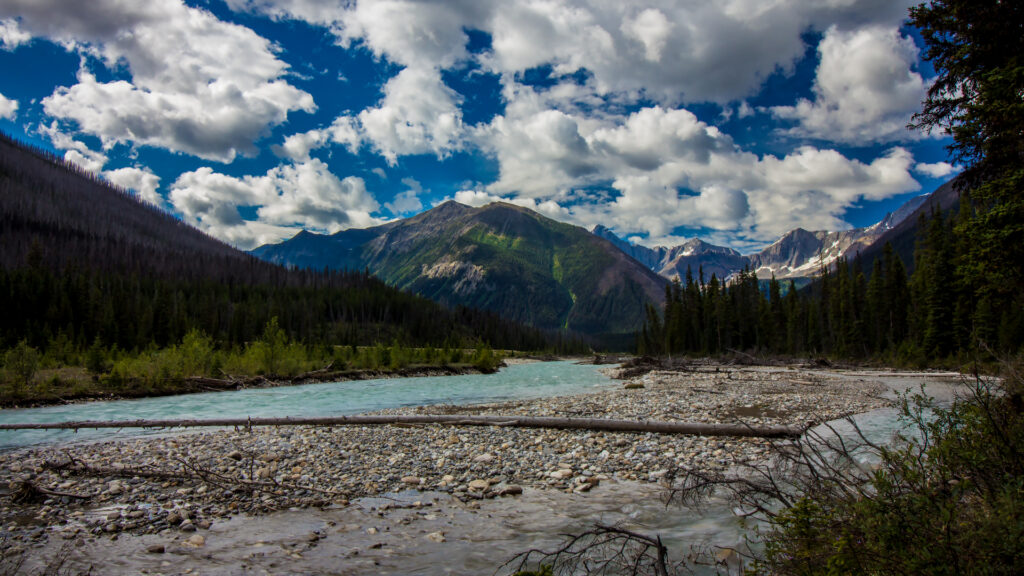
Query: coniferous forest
[(82, 262), (960, 296), (948, 310)]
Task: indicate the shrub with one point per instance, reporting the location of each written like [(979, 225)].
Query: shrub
[(947, 500), (21, 363), (485, 360)]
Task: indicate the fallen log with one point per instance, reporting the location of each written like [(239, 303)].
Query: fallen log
[(597, 424)]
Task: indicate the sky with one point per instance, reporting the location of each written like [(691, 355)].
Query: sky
[(734, 121)]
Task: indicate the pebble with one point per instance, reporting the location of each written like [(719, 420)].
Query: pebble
[(321, 466)]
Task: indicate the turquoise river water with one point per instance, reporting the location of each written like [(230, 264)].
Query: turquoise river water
[(518, 381)]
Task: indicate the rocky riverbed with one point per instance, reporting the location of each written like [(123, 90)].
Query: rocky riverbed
[(178, 486)]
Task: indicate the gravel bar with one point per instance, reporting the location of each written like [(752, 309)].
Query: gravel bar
[(185, 482)]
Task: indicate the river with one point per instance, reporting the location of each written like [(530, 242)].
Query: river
[(390, 535), (518, 381)]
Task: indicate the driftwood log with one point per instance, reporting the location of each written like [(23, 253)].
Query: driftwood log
[(597, 424)]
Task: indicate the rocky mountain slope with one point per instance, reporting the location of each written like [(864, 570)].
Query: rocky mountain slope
[(497, 257), (797, 254)]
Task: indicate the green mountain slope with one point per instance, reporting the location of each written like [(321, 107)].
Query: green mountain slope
[(498, 257), (81, 262)]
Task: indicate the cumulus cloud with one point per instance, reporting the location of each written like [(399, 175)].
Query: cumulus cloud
[(408, 200), (11, 35), (342, 131), (8, 108), (75, 151), (651, 28), (669, 50), (937, 170), (549, 208), (566, 150), (287, 198), (140, 179), (188, 91), (411, 33), (811, 188), (418, 115), (865, 90), (669, 169)]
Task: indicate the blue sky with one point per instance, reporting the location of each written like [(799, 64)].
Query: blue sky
[(734, 121)]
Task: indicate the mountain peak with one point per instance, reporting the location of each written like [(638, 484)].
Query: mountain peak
[(500, 257)]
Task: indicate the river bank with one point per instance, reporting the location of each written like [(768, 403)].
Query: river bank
[(175, 493), (137, 389)]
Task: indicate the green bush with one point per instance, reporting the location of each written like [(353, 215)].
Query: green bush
[(96, 358), (196, 354), (948, 500), (21, 363), (485, 360)]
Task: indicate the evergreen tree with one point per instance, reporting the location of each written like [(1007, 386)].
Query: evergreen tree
[(976, 48)]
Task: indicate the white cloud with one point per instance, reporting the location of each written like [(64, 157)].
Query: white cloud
[(936, 170), (418, 115), (11, 35), (540, 151), (287, 198), (75, 151), (669, 50), (189, 91), (8, 108), (140, 179), (408, 200), (669, 169), (865, 91), (548, 208), (565, 150), (342, 131), (419, 34), (651, 29), (812, 188)]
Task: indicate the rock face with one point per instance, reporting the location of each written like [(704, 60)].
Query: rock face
[(498, 257), (797, 254), (671, 263)]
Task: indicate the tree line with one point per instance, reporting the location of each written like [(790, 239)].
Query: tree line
[(852, 310), (84, 262)]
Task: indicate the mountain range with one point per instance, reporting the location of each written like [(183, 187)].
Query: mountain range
[(553, 275), (797, 254), (498, 257)]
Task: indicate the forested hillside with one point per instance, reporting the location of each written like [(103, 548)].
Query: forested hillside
[(857, 309), (81, 261), (498, 257)]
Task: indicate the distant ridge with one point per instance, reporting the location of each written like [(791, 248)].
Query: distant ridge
[(798, 254), (498, 257)]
